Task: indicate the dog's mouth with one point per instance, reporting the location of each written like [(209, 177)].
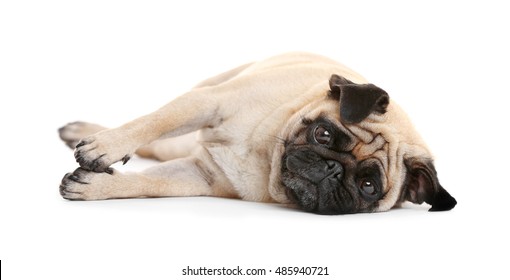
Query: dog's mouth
[(303, 194), (330, 197), (328, 181), (319, 186)]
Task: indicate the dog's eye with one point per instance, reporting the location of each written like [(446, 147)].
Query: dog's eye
[(368, 187), (322, 135)]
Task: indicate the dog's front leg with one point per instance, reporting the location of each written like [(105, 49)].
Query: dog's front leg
[(187, 113), (196, 175)]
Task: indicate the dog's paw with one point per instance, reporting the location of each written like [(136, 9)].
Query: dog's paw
[(86, 185), (99, 151), (72, 133)]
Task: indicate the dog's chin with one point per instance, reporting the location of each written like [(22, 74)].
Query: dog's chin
[(327, 198), (302, 193)]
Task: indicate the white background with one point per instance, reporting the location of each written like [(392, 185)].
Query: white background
[(108, 62)]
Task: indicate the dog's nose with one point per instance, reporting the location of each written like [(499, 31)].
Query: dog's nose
[(334, 168)]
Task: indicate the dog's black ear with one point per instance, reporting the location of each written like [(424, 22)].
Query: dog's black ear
[(334, 84), (357, 101), (422, 185)]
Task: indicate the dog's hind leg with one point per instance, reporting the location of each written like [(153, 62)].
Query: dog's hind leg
[(223, 77), (170, 148), (72, 133), (196, 175)]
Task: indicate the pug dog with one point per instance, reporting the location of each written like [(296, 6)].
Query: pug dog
[(297, 129)]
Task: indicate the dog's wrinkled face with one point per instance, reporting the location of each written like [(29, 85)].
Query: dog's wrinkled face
[(349, 155), (322, 176)]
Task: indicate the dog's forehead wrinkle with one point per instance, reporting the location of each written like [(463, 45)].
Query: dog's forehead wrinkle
[(363, 149), (362, 134)]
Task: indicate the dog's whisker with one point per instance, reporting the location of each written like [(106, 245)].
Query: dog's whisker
[(277, 139)]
